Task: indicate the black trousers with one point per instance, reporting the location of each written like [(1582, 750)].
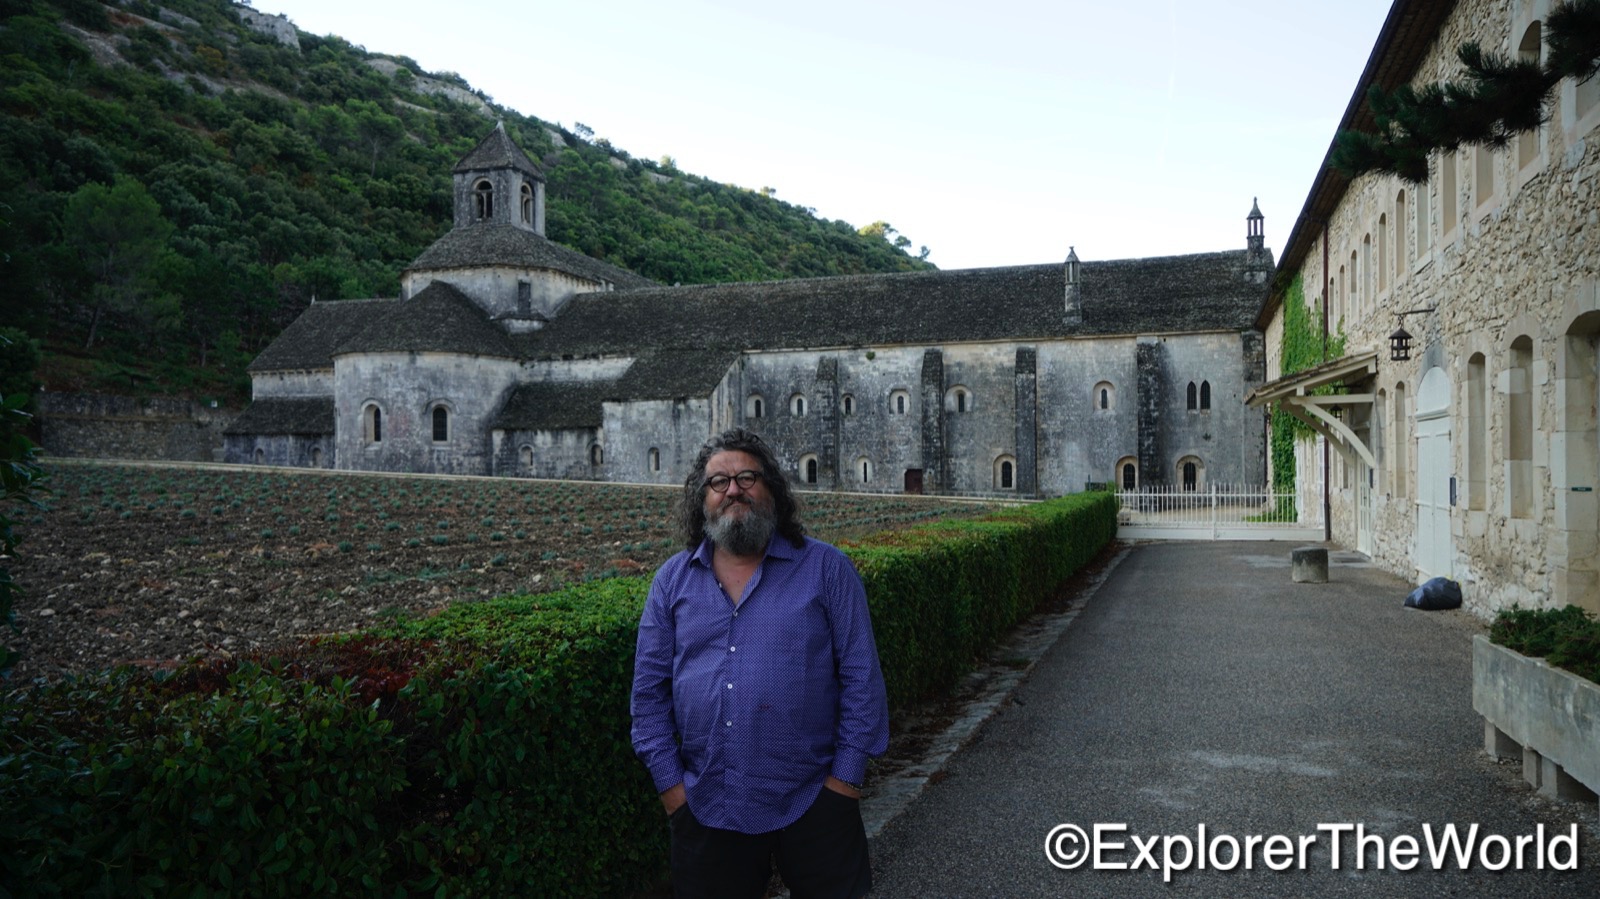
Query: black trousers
[(822, 855)]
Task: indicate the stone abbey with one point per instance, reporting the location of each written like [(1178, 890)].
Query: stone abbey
[(508, 354)]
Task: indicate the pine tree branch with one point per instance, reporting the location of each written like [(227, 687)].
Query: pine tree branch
[(1495, 100)]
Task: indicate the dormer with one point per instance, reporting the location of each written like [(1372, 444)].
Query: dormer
[(498, 184)]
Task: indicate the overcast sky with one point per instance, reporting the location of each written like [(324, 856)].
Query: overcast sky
[(996, 133)]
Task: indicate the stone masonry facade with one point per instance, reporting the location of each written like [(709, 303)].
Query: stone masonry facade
[(1485, 439)]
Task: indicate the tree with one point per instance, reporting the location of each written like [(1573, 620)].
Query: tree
[(119, 233), (1498, 99), (20, 478), (19, 359), (376, 129)]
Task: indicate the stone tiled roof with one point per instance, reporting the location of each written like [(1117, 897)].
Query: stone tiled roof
[(285, 415), (439, 318), (667, 374), (555, 405), (1197, 292), (498, 151), (310, 340), (486, 244)]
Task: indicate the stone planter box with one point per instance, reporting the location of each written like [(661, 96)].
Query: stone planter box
[(1547, 716)]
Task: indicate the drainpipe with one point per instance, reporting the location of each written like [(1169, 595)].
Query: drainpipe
[(1327, 485)]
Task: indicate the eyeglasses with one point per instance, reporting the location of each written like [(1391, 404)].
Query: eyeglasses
[(745, 479)]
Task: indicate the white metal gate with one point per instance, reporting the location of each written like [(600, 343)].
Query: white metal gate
[(1215, 512)]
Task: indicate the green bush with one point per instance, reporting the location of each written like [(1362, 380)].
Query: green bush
[(484, 751), (1567, 638), (942, 593)]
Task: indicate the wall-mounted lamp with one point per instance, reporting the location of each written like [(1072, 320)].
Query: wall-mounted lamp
[(1337, 410), (1400, 340)]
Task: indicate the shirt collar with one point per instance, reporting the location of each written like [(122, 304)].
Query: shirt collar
[(778, 547)]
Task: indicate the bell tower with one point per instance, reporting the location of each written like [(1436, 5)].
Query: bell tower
[(498, 184)]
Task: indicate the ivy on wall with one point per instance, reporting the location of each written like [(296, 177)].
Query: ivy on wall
[(1303, 347)]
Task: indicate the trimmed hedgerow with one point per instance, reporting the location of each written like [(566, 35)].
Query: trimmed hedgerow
[(1567, 638), (484, 751), (942, 593)]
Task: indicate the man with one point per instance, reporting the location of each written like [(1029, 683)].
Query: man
[(757, 697)]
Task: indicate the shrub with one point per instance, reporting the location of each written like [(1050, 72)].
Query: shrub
[(1567, 638), (484, 751)]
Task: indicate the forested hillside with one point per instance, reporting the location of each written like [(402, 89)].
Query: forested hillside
[(176, 186)]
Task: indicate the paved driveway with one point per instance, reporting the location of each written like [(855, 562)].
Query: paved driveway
[(1200, 687)]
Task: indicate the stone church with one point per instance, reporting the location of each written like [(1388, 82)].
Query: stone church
[(508, 354)]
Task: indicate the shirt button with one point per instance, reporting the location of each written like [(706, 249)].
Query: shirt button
[(730, 724), (730, 686), (733, 649)]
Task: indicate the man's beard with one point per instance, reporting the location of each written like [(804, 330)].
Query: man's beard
[(742, 535)]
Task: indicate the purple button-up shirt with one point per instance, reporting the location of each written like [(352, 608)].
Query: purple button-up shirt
[(768, 697)]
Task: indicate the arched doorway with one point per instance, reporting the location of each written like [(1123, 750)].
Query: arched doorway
[(1433, 548), (1575, 468)]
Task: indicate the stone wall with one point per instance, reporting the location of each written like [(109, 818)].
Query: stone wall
[(407, 387), (972, 408), (1507, 255), (103, 426)]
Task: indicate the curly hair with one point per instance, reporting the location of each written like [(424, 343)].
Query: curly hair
[(692, 507)]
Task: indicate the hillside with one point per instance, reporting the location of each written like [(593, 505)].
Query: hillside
[(179, 180)]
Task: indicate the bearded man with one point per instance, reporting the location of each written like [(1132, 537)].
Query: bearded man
[(757, 696)]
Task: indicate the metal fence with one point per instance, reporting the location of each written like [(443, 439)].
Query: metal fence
[(1216, 512)]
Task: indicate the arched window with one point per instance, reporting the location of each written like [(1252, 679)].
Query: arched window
[(316, 457), (441, 424), (1128, 473), (1383, 252), (597, 454), (1399, 235), (1191, 472), (1483, 172), (808, 469), (1353, 311), (1424, 230), (1519, 428), (1205, 396), (1402, 441), (848, 403), (372, 423), (1529, 50), (527, 204), (1448, 186), (899, 402), (754, 407), (526, 456), (483, 200), (260, 456), (1194, 397), (1005, 473), (958, 399), (654, 460), (1104, 397), (864, 469), (1367, 279), (797, 405), (1477, 431)]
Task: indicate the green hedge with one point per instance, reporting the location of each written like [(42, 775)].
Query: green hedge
[(943, 593), (1567, 638), (481, 752)]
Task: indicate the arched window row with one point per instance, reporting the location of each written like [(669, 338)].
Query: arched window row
[(1199, 396)]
